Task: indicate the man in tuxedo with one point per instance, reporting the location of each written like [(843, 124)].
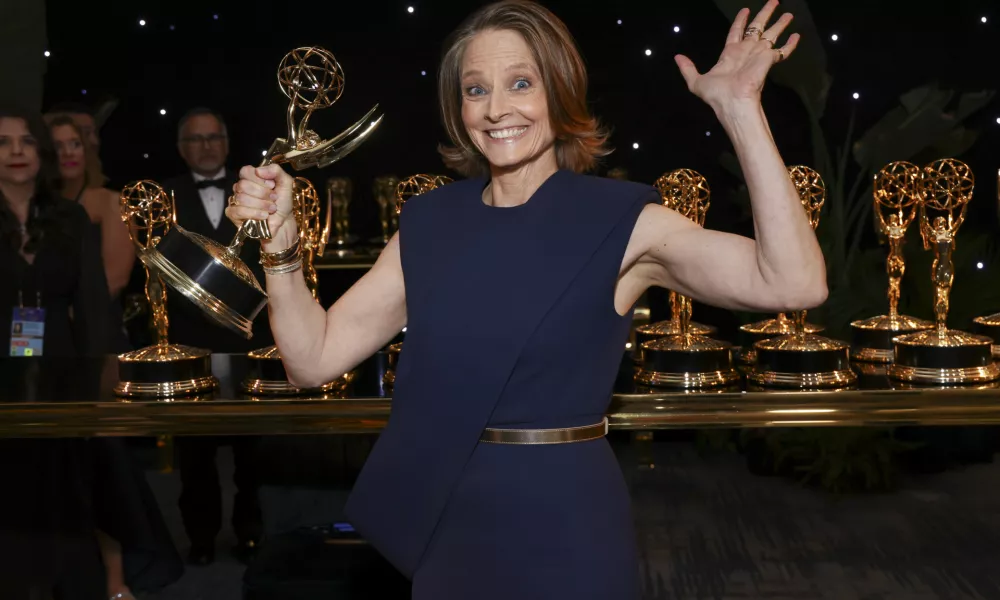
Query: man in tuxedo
[(201, 196)]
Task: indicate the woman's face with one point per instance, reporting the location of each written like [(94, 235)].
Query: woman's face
[(69, 149), (504, 105), (19, 161)]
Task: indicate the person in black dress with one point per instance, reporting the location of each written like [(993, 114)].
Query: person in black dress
[(200, 197), (492, 478), (77, 518)]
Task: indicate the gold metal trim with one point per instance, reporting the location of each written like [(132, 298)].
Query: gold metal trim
[(563, 435), (267, 387), (982, 374), (214, 307), (687, 381), (165, 391), (875, 355), (829, 379)]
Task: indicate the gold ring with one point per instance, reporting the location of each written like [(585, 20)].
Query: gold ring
[(232, 201), (781, 55), (752, 31), (768, 40)]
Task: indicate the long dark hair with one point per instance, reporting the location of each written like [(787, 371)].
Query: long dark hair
[(45, 220)]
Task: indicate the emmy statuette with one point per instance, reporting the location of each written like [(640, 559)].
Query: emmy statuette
[(682, 190), (267, 374), (686, 360), (212, 275), (801, 359), (897, 191), (338, 202), (990, 325), (163, 370), (782, 324), (406, 189), (384, 192), (941, 355)]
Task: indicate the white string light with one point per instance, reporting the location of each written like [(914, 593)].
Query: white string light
[(84, 92), (142, 22), (145, 155), (47, 54), (983, 20), (635, 146), (835, 37), (708, 134), (163, 112), (263, 152), (856, 95), (677, 28), (979, 265), (409, 9), (171, 28), (619, 21), (215, 17), (649, 52), (998, 120), (423, 73)]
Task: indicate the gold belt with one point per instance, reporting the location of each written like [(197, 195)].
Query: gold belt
[(564, 435)]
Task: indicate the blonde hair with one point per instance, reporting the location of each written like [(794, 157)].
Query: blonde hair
[(93, 170), (580, 138)]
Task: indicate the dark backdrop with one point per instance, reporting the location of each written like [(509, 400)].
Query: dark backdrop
[(223, 53)]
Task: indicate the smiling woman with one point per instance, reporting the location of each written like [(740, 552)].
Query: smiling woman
[(516, 76), (492, 478)]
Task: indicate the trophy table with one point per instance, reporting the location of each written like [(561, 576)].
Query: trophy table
[(163, 370), (212, 275), (897, 192), (683, 190), (686, 359), (801, 359), (267, 374), (941, 355), (384, 192), (406, 189)]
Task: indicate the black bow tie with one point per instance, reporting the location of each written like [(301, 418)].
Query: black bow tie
[(207, 183)]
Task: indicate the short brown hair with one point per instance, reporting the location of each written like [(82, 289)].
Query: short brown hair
[(580, 138)]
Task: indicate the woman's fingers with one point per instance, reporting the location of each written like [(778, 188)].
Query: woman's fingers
[(774, 31), (237, 213), (738, 27)]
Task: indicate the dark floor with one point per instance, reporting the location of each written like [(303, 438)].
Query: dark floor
[(711, 530)]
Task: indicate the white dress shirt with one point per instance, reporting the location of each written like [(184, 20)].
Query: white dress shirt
[(213, 198)]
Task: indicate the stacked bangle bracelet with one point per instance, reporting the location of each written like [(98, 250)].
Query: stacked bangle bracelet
[(288, 260)]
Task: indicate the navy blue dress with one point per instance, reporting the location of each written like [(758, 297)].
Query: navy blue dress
[(511, 324)]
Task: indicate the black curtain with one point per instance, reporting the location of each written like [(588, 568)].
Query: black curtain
[(22, 53)]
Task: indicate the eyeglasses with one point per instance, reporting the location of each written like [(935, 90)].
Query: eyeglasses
[(215, 138)]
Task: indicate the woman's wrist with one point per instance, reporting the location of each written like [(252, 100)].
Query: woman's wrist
[(282, 239)]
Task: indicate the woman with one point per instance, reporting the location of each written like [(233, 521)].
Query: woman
[(75, 497), (82, 181), (80, 173), (516, 287)]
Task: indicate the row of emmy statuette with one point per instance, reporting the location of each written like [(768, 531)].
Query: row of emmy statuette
[(165, 370), (787, 351), (211, 275)]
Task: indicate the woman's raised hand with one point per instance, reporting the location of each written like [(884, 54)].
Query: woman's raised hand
[(263, 193), (750, 52)]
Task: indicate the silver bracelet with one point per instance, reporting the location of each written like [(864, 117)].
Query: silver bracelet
[(285, 268)]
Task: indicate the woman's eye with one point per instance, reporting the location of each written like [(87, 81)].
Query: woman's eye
[(521, 84), (474, 91)]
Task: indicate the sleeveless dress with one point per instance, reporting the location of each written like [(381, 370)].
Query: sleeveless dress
[(511, 324)]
